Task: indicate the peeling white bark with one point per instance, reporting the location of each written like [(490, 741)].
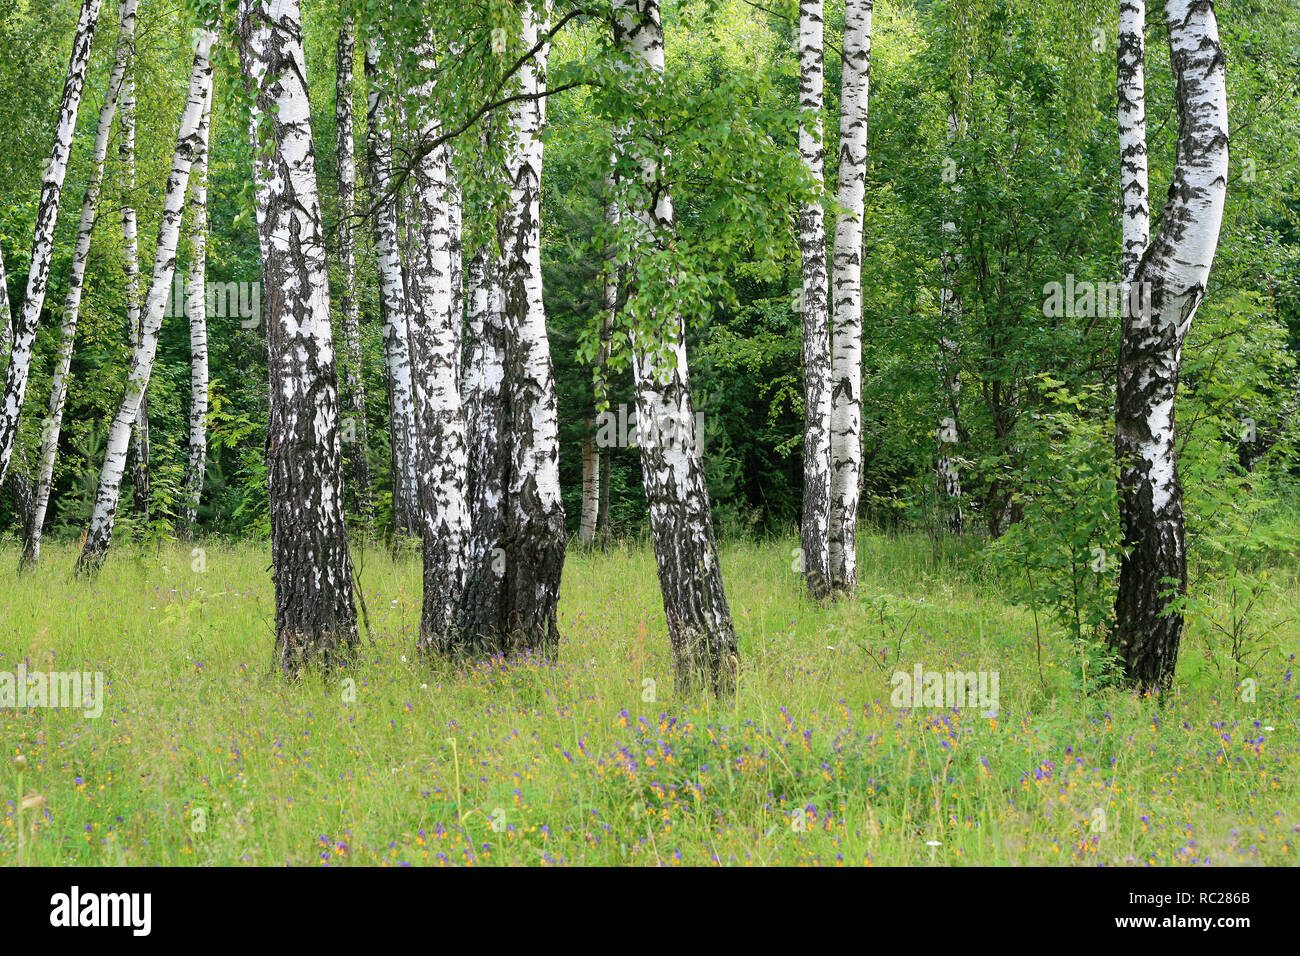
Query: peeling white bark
[(99, 534), (392, 299), (52, 426), (535, 531), (315, 618), (1131, 86), (815, 527), (846, 285), (131, 271), (1176, 268), (441, 454), (690, 579), (196, 311), (47, 213), (354, 388), (483, 599)]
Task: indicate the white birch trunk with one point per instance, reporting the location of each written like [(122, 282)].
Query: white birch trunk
[(441, 456), (1175, 269), (139, 456), (6, 319), (196, 311), (456, 217), (846, 285), (590, 487), (1135, 210), (700, 630), (483, 598), (315, 617), (47, 214), (354, 388), (392, 299), (947, 470), (815, 527), (535, 532), (99, 535), (53, 424), (609, 303)]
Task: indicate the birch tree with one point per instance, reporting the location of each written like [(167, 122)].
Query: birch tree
[(846, 284), (815, 526), (354, 387), (947, 470), (700, 630), (6, 318), (611, 285), (595, 458), (441, 457), (1175, 269), (315, 617), (535, 535), (590, 486), (196, 297), (131, 271), (100, 533), (482, 605), (1135, 210), (392, 296), (47, 214), (52, 426), (456, 226)]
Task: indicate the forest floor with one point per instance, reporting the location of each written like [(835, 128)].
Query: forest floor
[(202, 756)]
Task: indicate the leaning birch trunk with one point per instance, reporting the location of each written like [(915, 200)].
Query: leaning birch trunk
[(535, 536), (483, 598), (196, 309), (392, 299), (846, 286), (19, 483), (1174, 271), (100, 533), (357, 434), (53, 423), (441, 461), (815, 526), (47, 214), (315, 618), (131, 271), (690, 579)]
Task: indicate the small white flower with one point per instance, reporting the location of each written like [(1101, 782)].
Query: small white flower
[(933, 843), (403, 658)]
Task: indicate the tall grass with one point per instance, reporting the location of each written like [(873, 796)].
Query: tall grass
[(204, 756)]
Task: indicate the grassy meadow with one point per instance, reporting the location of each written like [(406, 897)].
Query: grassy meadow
[(202, 756)]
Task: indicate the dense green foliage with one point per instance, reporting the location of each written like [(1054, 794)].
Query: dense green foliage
[(1029, 180)]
